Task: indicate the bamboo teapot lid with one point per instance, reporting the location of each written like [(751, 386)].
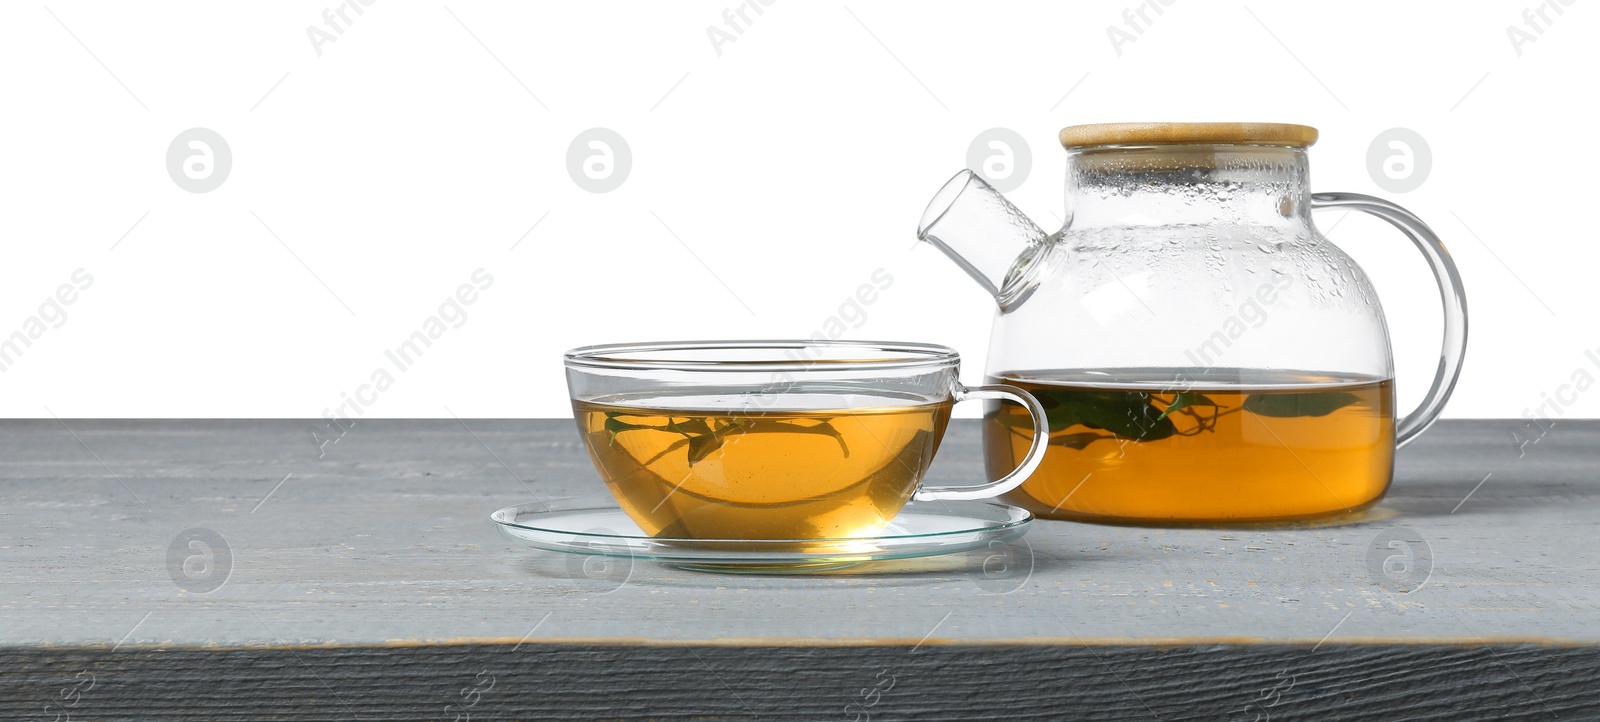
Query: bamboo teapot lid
[(1093, 135)]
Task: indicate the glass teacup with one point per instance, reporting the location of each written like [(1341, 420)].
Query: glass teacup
[(775, 439)]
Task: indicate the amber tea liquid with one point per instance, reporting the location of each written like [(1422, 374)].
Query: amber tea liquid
[(706, 465), (1201, 445)]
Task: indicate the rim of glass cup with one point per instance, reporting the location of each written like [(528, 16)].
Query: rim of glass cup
[(803, 355)]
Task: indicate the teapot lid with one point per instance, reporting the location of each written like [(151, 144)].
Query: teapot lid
[(1101, 134)]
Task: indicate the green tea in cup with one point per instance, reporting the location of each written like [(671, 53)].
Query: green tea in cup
[(771, 439)]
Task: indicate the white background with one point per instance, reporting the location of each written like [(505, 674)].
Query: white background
[(428, 139)]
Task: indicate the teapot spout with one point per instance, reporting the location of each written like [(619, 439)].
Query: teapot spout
[(984, 234)]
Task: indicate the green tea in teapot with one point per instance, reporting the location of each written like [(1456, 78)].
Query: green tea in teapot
[(1229, 362), (1199, 445)]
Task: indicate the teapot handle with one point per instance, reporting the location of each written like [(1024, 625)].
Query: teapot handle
[(1454, 298)]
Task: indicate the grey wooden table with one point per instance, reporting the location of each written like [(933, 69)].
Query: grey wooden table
[(362, 580)]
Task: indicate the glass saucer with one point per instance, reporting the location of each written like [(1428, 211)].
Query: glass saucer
[(595, 526)]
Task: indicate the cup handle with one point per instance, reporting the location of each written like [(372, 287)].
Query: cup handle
[(1454, 348), (1041, 436)]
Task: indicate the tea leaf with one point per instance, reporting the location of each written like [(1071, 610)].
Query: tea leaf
[(1127, 414), (614, 426), (692, 426), (703, 440), (702, 446), (1184, 400), (826, 427), (1317, 403)]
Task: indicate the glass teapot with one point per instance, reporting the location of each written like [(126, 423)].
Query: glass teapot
[(1203, 352)]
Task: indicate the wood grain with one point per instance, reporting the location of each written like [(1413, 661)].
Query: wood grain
[(957, 683), (373, 568), (1101, 134)]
